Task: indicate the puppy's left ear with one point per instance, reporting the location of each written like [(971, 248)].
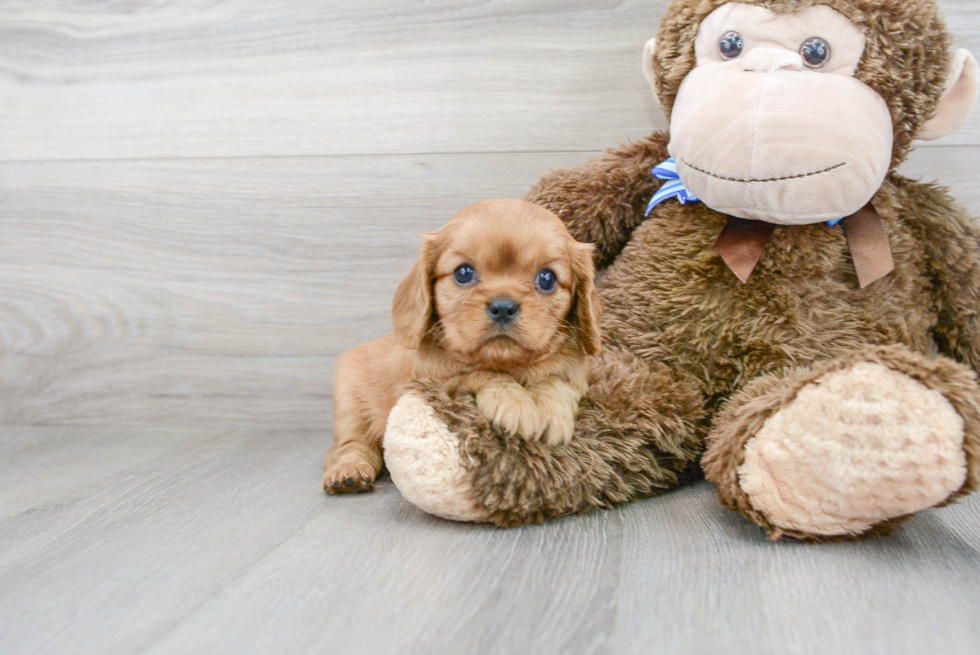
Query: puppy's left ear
[(412, 309), (588, 310)]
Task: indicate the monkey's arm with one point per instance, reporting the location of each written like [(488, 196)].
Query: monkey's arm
[(603, 200), (953, 251)]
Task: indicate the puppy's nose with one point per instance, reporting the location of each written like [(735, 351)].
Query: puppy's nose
[(503, 310)]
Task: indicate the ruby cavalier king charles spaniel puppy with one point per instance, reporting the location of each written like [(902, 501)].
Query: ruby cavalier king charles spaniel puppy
[(501, 300)]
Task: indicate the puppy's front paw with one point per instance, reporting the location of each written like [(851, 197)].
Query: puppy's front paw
[(560, 422), (511, 408), (558, 405), (350, 471)]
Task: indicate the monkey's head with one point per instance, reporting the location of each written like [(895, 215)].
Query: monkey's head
[(795, 111)]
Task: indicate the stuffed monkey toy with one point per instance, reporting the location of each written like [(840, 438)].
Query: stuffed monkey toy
[(783, 312)]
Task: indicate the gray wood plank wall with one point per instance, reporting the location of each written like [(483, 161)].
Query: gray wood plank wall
[(203, 202)]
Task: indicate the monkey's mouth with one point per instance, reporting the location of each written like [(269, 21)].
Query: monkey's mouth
[(771, 179)]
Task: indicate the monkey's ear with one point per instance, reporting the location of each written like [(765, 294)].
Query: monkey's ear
[(588, 310), (412, 308), (957, 100), (648, 70)]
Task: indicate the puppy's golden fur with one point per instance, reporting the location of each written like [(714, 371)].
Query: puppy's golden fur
[(527, 369)]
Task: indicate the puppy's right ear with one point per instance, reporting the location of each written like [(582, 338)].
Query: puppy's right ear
[(412, 310), (588, 310)]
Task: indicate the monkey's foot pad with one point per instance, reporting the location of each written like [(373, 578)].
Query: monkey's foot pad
[(854, 448)]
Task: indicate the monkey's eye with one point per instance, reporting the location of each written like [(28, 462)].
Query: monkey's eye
[(464, 275), (815, 52), (731, 45), (546, 281)]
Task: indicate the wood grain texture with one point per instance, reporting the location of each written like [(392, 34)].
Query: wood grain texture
[(222, 78), (187, 540), (236, 78)]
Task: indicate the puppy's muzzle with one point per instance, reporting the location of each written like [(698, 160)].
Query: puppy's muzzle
[(503, 310)]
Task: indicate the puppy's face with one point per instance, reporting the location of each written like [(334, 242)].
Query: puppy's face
[(509, 285), (503, 289)]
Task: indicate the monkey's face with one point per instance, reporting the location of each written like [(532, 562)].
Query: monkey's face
[(772, 124)]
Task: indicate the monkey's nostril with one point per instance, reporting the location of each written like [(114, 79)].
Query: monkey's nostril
[(503, 310)]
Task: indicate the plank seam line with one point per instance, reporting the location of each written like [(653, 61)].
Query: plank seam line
[(463, 153)]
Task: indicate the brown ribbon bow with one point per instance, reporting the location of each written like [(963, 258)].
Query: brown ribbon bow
[(742, 241)]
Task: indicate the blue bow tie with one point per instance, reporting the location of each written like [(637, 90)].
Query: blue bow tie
[(674, 188)]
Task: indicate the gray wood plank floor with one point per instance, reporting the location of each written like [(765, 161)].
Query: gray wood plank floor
[(193, 540)]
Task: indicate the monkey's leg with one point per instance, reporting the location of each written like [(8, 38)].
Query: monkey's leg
[(851, 447), (637, 434)]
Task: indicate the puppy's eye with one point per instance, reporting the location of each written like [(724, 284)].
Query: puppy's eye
[(731, 45), (546, 280), (464, 275)]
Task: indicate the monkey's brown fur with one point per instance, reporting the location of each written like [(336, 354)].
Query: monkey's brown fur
[(687, 346)]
